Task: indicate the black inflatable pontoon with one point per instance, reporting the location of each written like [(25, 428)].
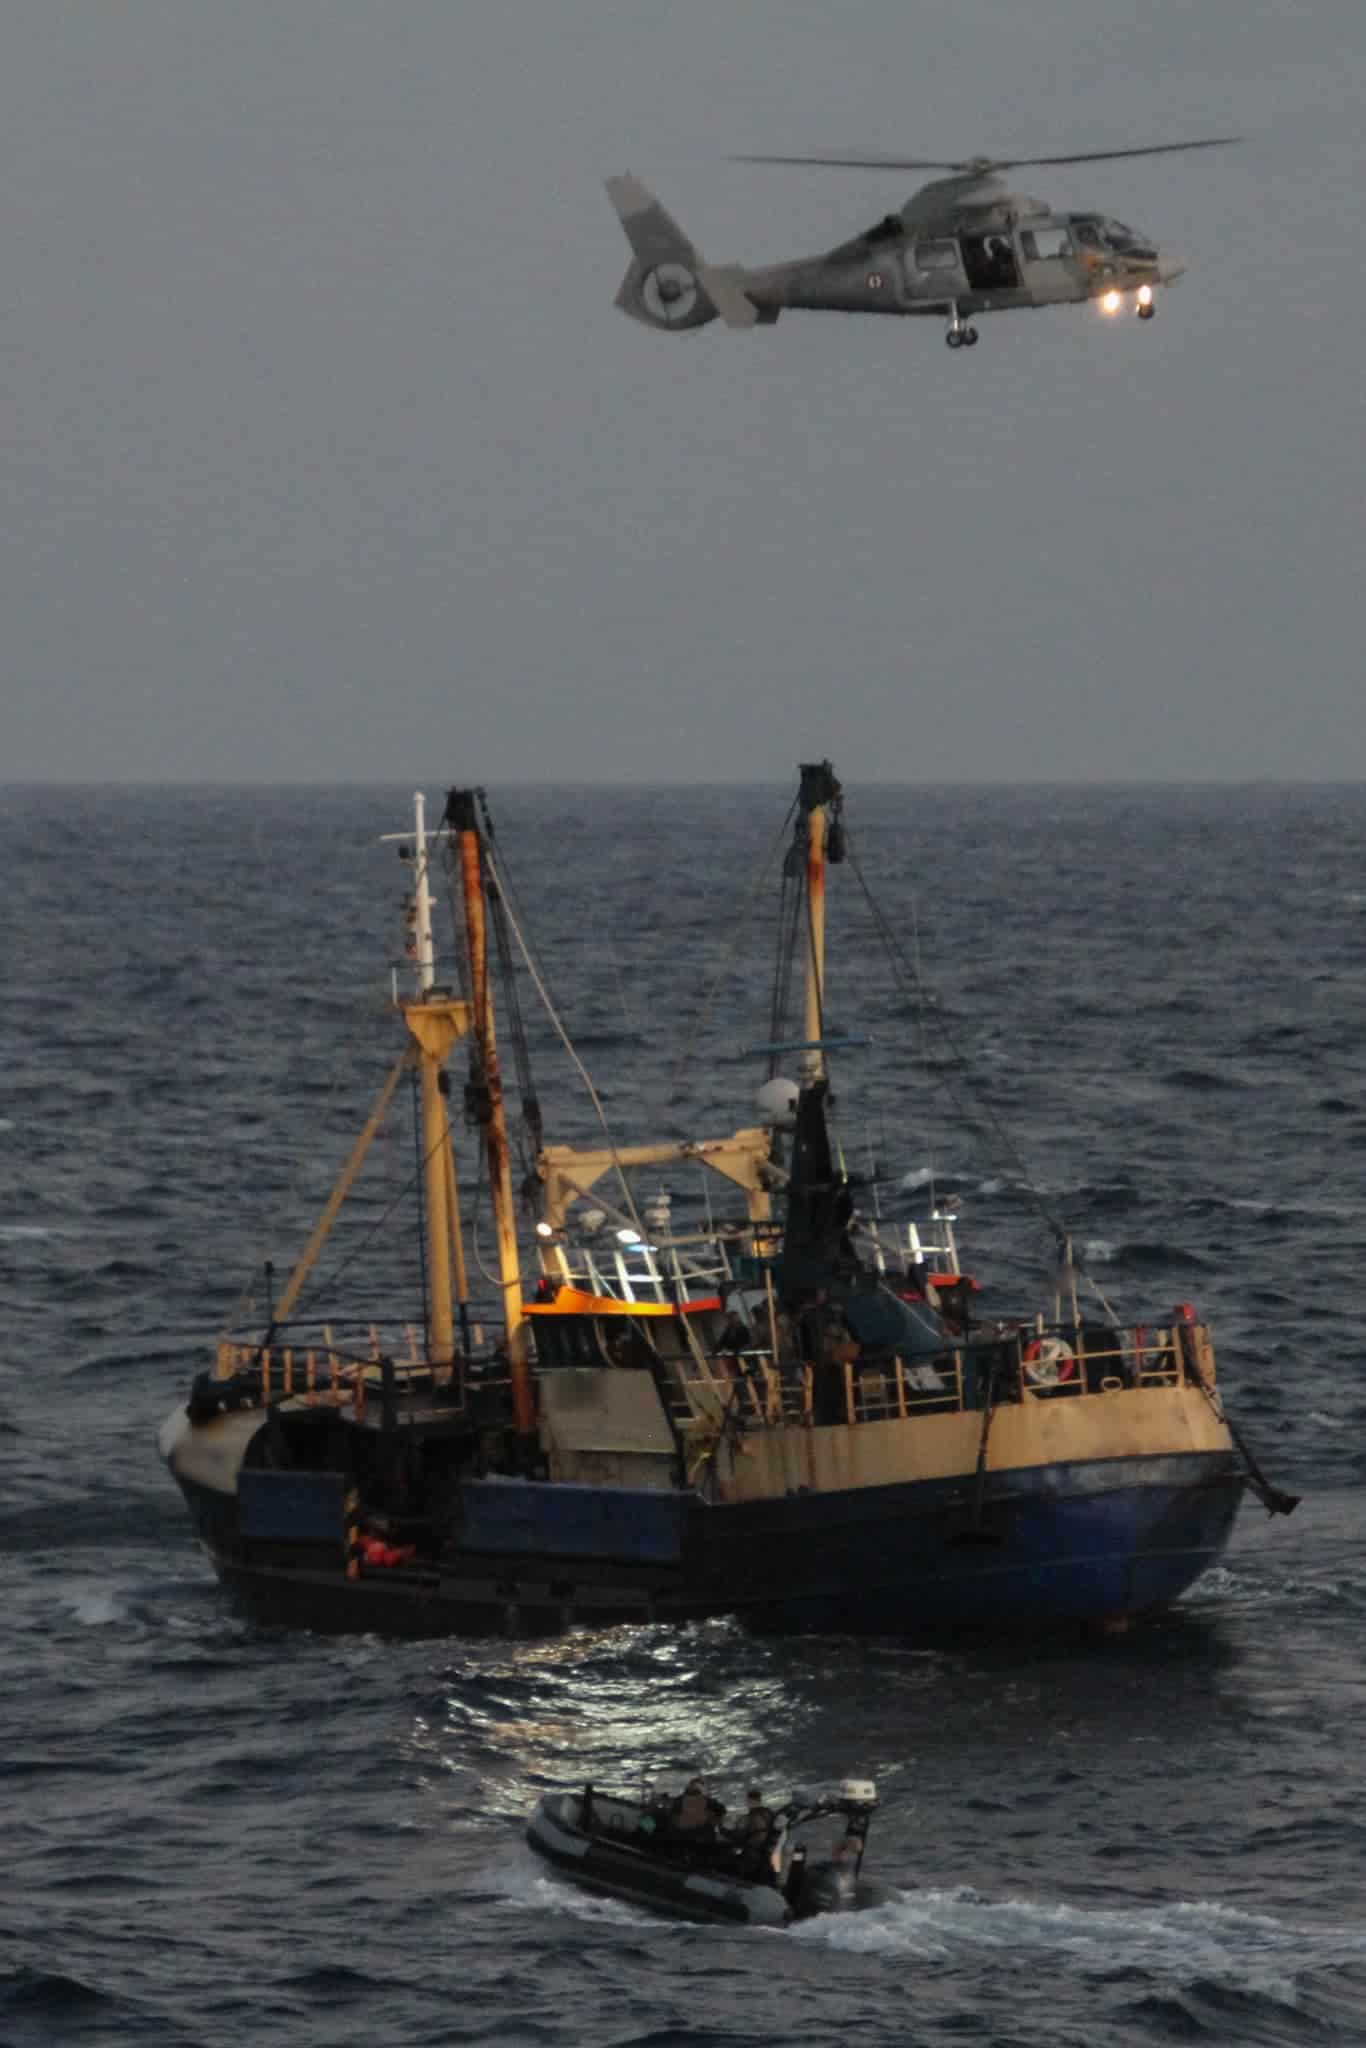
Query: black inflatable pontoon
[(634, 1849)]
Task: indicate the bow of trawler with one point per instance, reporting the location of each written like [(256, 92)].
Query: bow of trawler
[(732, 1390)]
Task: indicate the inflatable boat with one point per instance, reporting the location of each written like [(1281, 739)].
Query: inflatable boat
[(754, 1872)]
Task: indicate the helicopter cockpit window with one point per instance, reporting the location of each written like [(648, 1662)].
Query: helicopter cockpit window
[(1045, 245), (1125, 240), (1087, 233), (936, 255)]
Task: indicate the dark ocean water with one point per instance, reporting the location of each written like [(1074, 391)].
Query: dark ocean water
[(217, 1834)]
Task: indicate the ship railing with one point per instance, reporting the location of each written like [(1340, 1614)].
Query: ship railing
[(884, 1387), (371, 1363), (760, 1394), (642, 1272), (1093, 1361), (882, 1390), (747, 1387)]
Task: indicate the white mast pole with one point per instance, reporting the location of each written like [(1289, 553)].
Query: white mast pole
[(425, 965)]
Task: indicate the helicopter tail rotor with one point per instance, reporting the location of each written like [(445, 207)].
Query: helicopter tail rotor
[(668, 285)]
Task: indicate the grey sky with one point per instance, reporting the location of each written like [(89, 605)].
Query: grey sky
[(328, 457)]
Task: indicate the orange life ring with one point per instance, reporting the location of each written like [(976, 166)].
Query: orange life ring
[(1048, 1362)]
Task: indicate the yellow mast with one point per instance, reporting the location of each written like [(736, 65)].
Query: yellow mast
[(435, 1021), (461, 817)]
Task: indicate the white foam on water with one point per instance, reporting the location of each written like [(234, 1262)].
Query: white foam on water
[(1099, 1250), (96, 1607), (524, 1882), (918, 1177), (1192, 1941), (1260, 1205)]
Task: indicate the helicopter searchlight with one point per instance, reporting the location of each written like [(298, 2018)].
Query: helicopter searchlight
[(962, 245)]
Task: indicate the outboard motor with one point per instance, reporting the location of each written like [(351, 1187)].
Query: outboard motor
[(833, 1884), (825, 1887)]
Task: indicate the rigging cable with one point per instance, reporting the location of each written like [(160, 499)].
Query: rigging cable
[(289, 1201), (338, 1272), (958, 1063), (791, 904), (533, 1133), (739, 931), (569, 1047)]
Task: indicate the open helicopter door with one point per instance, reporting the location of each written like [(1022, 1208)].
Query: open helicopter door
[(1048, 264), (989, 261)]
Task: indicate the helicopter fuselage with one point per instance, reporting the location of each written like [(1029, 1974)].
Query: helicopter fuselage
[(959, 247), (980, 260)]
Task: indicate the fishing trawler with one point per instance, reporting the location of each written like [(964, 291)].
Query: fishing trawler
[(784, 1412)]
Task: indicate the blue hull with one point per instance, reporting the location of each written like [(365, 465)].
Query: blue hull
[(1069, 1545), (1086, 1544)]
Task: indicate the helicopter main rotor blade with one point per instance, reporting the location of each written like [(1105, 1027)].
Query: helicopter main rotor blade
[(1100, 156), (985, 166), (856, 163)]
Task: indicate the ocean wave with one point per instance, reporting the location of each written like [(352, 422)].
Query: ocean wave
[(1160, 1252), (50, 1999)]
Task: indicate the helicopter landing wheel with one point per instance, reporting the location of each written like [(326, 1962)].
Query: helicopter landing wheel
[(954, 337), (1146, 312), (970, 337)]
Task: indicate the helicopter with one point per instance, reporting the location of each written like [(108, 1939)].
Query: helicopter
[(961, 246)]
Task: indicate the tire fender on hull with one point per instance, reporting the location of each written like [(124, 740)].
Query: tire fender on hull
[(209, 1454)]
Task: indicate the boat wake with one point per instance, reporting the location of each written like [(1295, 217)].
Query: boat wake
[(1184, 1943), (523, 1883)]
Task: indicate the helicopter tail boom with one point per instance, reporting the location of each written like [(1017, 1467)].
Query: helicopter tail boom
[(668, 285)]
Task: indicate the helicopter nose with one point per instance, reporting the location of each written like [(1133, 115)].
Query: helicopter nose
[(1169, 268)]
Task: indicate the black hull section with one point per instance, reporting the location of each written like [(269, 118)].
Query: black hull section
[(1056, 1547), (698, 1892)]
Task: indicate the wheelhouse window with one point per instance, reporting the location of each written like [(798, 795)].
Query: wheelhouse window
[(567, 1341), (936, 255), (1045, 245)]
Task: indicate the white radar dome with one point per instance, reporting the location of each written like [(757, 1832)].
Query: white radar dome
[(777, 1100)]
